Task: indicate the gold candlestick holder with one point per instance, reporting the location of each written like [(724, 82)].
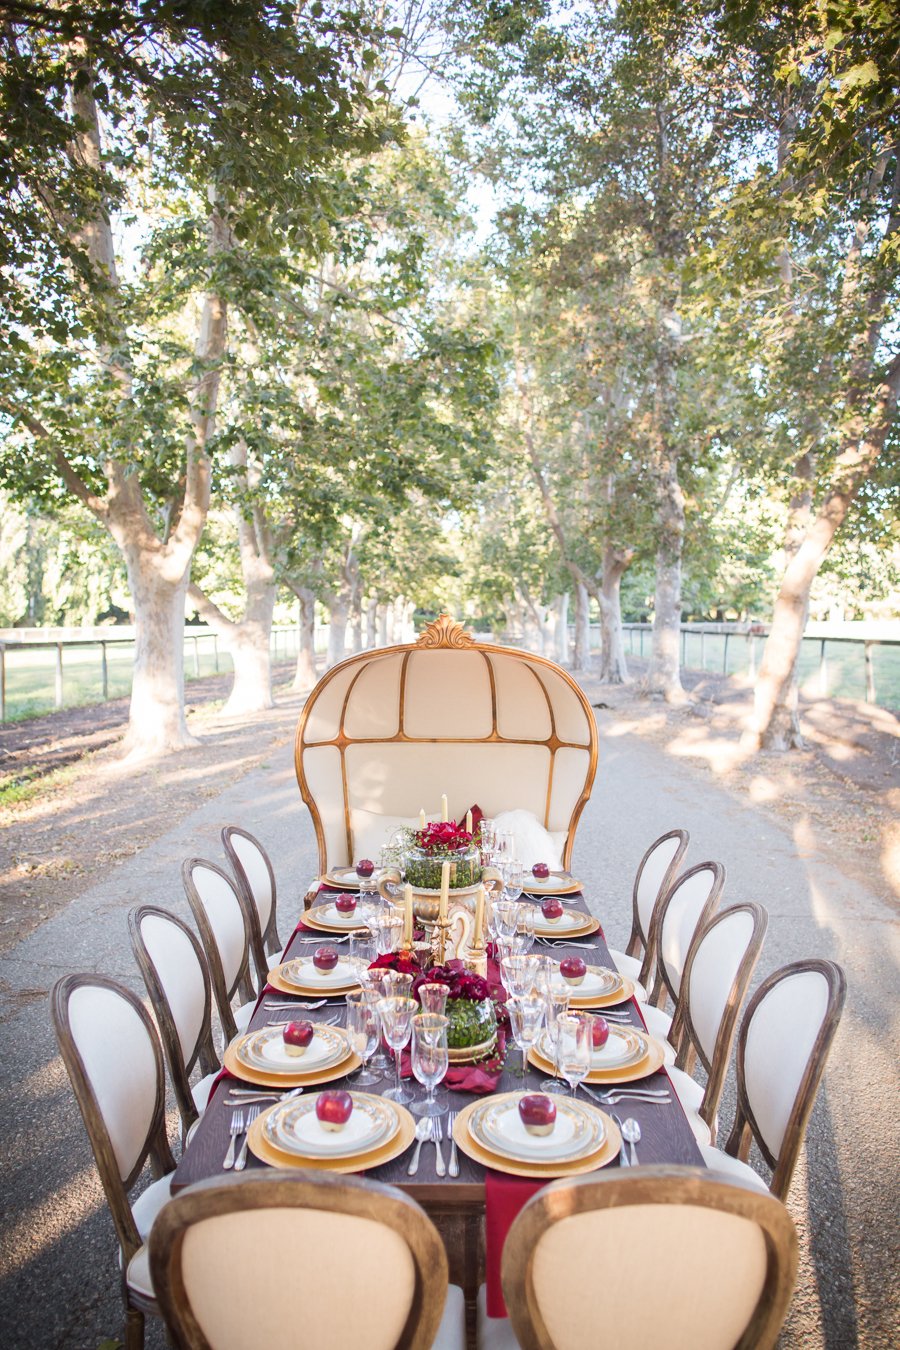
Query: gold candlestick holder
[(476, 961), (440, 928)]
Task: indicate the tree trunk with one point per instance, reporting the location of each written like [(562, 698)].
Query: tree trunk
[(338, 612), (613, 667), (305, 674), (664, 673), (562, 629), (382, 632), (156, 722), (582, 649), (372, 624)]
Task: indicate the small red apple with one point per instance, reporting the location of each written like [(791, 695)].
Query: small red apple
[(297, 1036), (365, 867), (541, 871), (345, 904), (333, 1109), (537, 1113), (325, 959), (599, 1032), (572, 969), (552, 909)]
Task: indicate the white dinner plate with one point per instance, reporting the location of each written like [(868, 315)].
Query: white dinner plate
[(301, 971), (296, 1128), (597, 982), (579, 1130), (569, 920), (265, 1049), (558, 883), (623, 1048), (346, 878), (331, 915)]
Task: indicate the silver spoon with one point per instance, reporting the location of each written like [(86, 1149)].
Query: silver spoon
[(631, 1131)]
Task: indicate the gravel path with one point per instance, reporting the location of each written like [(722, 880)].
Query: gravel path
[(58, 1281)]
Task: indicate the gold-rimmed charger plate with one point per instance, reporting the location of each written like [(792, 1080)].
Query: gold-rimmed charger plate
[(608, 1150), (357, 1162), (262, 1049), (562, 930), (346, 878), (579, 1133), (626, 1073), (315, 918), (611, 1000), (286, 1080), (558, 883), (277, 981), (291, 1127)]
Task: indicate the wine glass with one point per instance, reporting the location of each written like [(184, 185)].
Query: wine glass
[(433, 997), (430, 1060), (387, 930), (373, 990), (396, 1016), (542, 968), (557, 1001), (513, 874), (362, 1032), (506, 919), (488, 840), (360, 952), (397, 984), (524, 934), (370, 902), (526, 1017), (515, 974), (574, 1049)]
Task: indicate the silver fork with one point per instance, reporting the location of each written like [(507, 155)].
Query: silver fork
[(241, 1163), (453, 1169), (437, 1135), (235, 1128)]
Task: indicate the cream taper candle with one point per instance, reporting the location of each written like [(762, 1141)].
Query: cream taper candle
[(445, 892), (479, 916), (422, 818), (407, 916), (469, 822), (444, 815)]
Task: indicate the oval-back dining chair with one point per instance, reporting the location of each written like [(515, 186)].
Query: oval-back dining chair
[(221, 919), (667, 1256), (289, 1259), (388, 732), (656, 872), (255, 877), (175, 972), (115, 1065), (689, 904)]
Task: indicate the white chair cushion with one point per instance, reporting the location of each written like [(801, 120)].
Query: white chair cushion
[(149, 1203), (717, 1161), (138, 1274), (690, 1094), (275, 959), (659, 1025), (493, 1333), (451, 1334), (243, 1015), (624, 964), (200, 1091), (533, 843)]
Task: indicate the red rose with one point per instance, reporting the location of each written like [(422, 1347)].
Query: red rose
[(404, 963)]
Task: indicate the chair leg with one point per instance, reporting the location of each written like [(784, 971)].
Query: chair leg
[(134, 1329)]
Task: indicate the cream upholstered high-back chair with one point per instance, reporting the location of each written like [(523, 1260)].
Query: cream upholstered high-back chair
[(656, 872), (222, 920), (668, 1256), (255, 877), (175, 972), (114, 1061), (289, 1259), (388, 732)]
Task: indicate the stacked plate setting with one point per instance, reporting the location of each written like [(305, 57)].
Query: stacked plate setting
[(289, 1134), (329, 919), (300, 976), (600, 988), (262, 1057), (572, 923), (491, 1131), (627, 1055)]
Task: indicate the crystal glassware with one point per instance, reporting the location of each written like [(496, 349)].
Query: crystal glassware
[(396, 1016), (515, 974), (526, 1017), (506, 919), (370, 902), (387, 929), (397, 984), (574, 1049), (524, 934), (430, 1060), (373, 989), (360, 952), (513, 874), (433, 998), (557, 1001), (363, 1032)]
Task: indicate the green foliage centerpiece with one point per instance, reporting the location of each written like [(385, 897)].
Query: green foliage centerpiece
[(436, 844)]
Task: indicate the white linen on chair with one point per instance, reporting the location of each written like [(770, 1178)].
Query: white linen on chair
[(533, 843), (690, 1094), (451, 1334), (717, 1161)]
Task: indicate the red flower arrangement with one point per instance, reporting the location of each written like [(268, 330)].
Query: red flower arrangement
[(405, 963), (442, 837), (461, 983)]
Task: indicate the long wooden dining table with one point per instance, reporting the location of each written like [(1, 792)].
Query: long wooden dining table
[(455, 1204)]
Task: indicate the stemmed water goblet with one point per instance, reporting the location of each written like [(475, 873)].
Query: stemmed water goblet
[(374, 989), (387, 929), (557, 1001), (526, 1017), (574, 1049), (396, 1016), (505, 919), (433, 997), (430, 1060), (515, 974), (523, 937), (370, 902), (363, 1032), (360, 951), (513, 875)]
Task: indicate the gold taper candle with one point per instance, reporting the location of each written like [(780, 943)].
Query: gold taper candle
[(479, 916), (469, 822), (407, 917), (444, 815), (445, 892), (422, 818)]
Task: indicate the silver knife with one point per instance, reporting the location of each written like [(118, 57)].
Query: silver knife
[(623, 1147)]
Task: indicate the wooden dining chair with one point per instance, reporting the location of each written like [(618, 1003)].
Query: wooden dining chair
[(114, 1061), (659, 1256), (656, 872), (222, 923), (175, 972), (302, 1258), (717, 973), (783, 1044), (255, 878), (688, 905)]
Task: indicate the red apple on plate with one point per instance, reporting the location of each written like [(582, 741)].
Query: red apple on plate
[(297, 1036), (333, 1109), (541, 871), (599, 1032), (365, 867), (552, 909), (345, 904), (572, 969), (537, 1113), (325, 959)]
